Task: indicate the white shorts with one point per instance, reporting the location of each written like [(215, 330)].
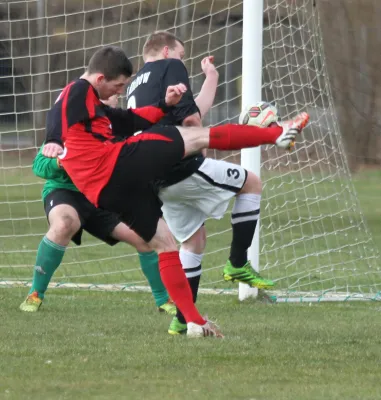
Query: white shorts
[(206, 193)]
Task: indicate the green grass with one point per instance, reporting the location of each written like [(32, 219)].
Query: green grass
[(101, 345), (93, 345)]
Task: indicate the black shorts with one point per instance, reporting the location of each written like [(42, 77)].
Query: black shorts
[(99, 223), (130, 192)]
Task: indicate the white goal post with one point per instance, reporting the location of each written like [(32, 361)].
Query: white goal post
[(313, 239), (252, 32), (296, 79)]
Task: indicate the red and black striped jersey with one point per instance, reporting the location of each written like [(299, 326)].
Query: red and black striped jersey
[(92, 134)]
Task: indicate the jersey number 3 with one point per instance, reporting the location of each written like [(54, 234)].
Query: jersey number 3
[(233, 172)]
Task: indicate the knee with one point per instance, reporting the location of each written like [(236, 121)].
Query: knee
[(143, 247), (253, 184), (163, 241), (163, 244), (124, 234), (196, 243), (65, 225)]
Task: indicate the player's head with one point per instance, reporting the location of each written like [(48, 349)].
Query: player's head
[(108, 71), (162, 44)]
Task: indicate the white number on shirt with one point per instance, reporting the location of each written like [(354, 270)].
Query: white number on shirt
[(131, 103)]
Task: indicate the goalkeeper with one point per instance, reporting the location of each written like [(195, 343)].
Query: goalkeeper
[(69, 213)]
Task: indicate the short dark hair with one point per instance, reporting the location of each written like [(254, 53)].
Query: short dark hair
[(159, 39), (111, 61)]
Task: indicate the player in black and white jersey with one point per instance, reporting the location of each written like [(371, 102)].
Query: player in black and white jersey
[(197, 187)]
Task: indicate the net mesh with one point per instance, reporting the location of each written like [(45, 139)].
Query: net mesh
[(313, 241)]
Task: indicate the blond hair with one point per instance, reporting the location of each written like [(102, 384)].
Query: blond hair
[(158, 40)]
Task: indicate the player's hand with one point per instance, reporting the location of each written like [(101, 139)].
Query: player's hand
[(174, 94), (207, 66), (111, 101), (52, 150)]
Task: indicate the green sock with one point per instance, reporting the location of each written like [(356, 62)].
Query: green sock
[(49, 257), (150, 266)]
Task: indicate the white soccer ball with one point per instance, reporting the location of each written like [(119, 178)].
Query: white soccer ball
[(261, 114)]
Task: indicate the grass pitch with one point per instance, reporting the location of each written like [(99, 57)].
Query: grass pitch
[(97, 345), (93, 345)]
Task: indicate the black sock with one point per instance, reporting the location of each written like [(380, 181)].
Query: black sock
[(243, 233), (244, 220)]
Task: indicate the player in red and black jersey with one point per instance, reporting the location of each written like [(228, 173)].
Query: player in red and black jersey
[(114, 169)]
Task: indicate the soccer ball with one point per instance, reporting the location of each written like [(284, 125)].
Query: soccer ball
[(262, 114)]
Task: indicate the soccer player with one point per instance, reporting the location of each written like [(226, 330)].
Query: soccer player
[(114, 168), (69, 213), (198, 187)]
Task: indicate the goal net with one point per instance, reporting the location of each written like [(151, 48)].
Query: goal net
[(314, 242)]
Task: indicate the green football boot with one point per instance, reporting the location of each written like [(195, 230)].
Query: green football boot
[(168, 308), (246, 274), (176, 327), (32, 303)]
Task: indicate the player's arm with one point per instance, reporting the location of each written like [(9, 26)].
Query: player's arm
[(185, 112), (127, 122), (46, 168), (54, 126), (205, 98)]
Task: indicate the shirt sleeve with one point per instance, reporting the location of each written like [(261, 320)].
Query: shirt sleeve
[(177, 73), (54, 125), (76, 103), (46, 168), (127, 122)]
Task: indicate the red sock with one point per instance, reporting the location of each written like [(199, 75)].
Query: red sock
[(175, 281), (237, 137)]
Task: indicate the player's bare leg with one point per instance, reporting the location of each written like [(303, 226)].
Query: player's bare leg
[(64, 223), (149, 264), (174, 279)]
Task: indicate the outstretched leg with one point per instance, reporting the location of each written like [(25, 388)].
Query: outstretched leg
[(237, 137)]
